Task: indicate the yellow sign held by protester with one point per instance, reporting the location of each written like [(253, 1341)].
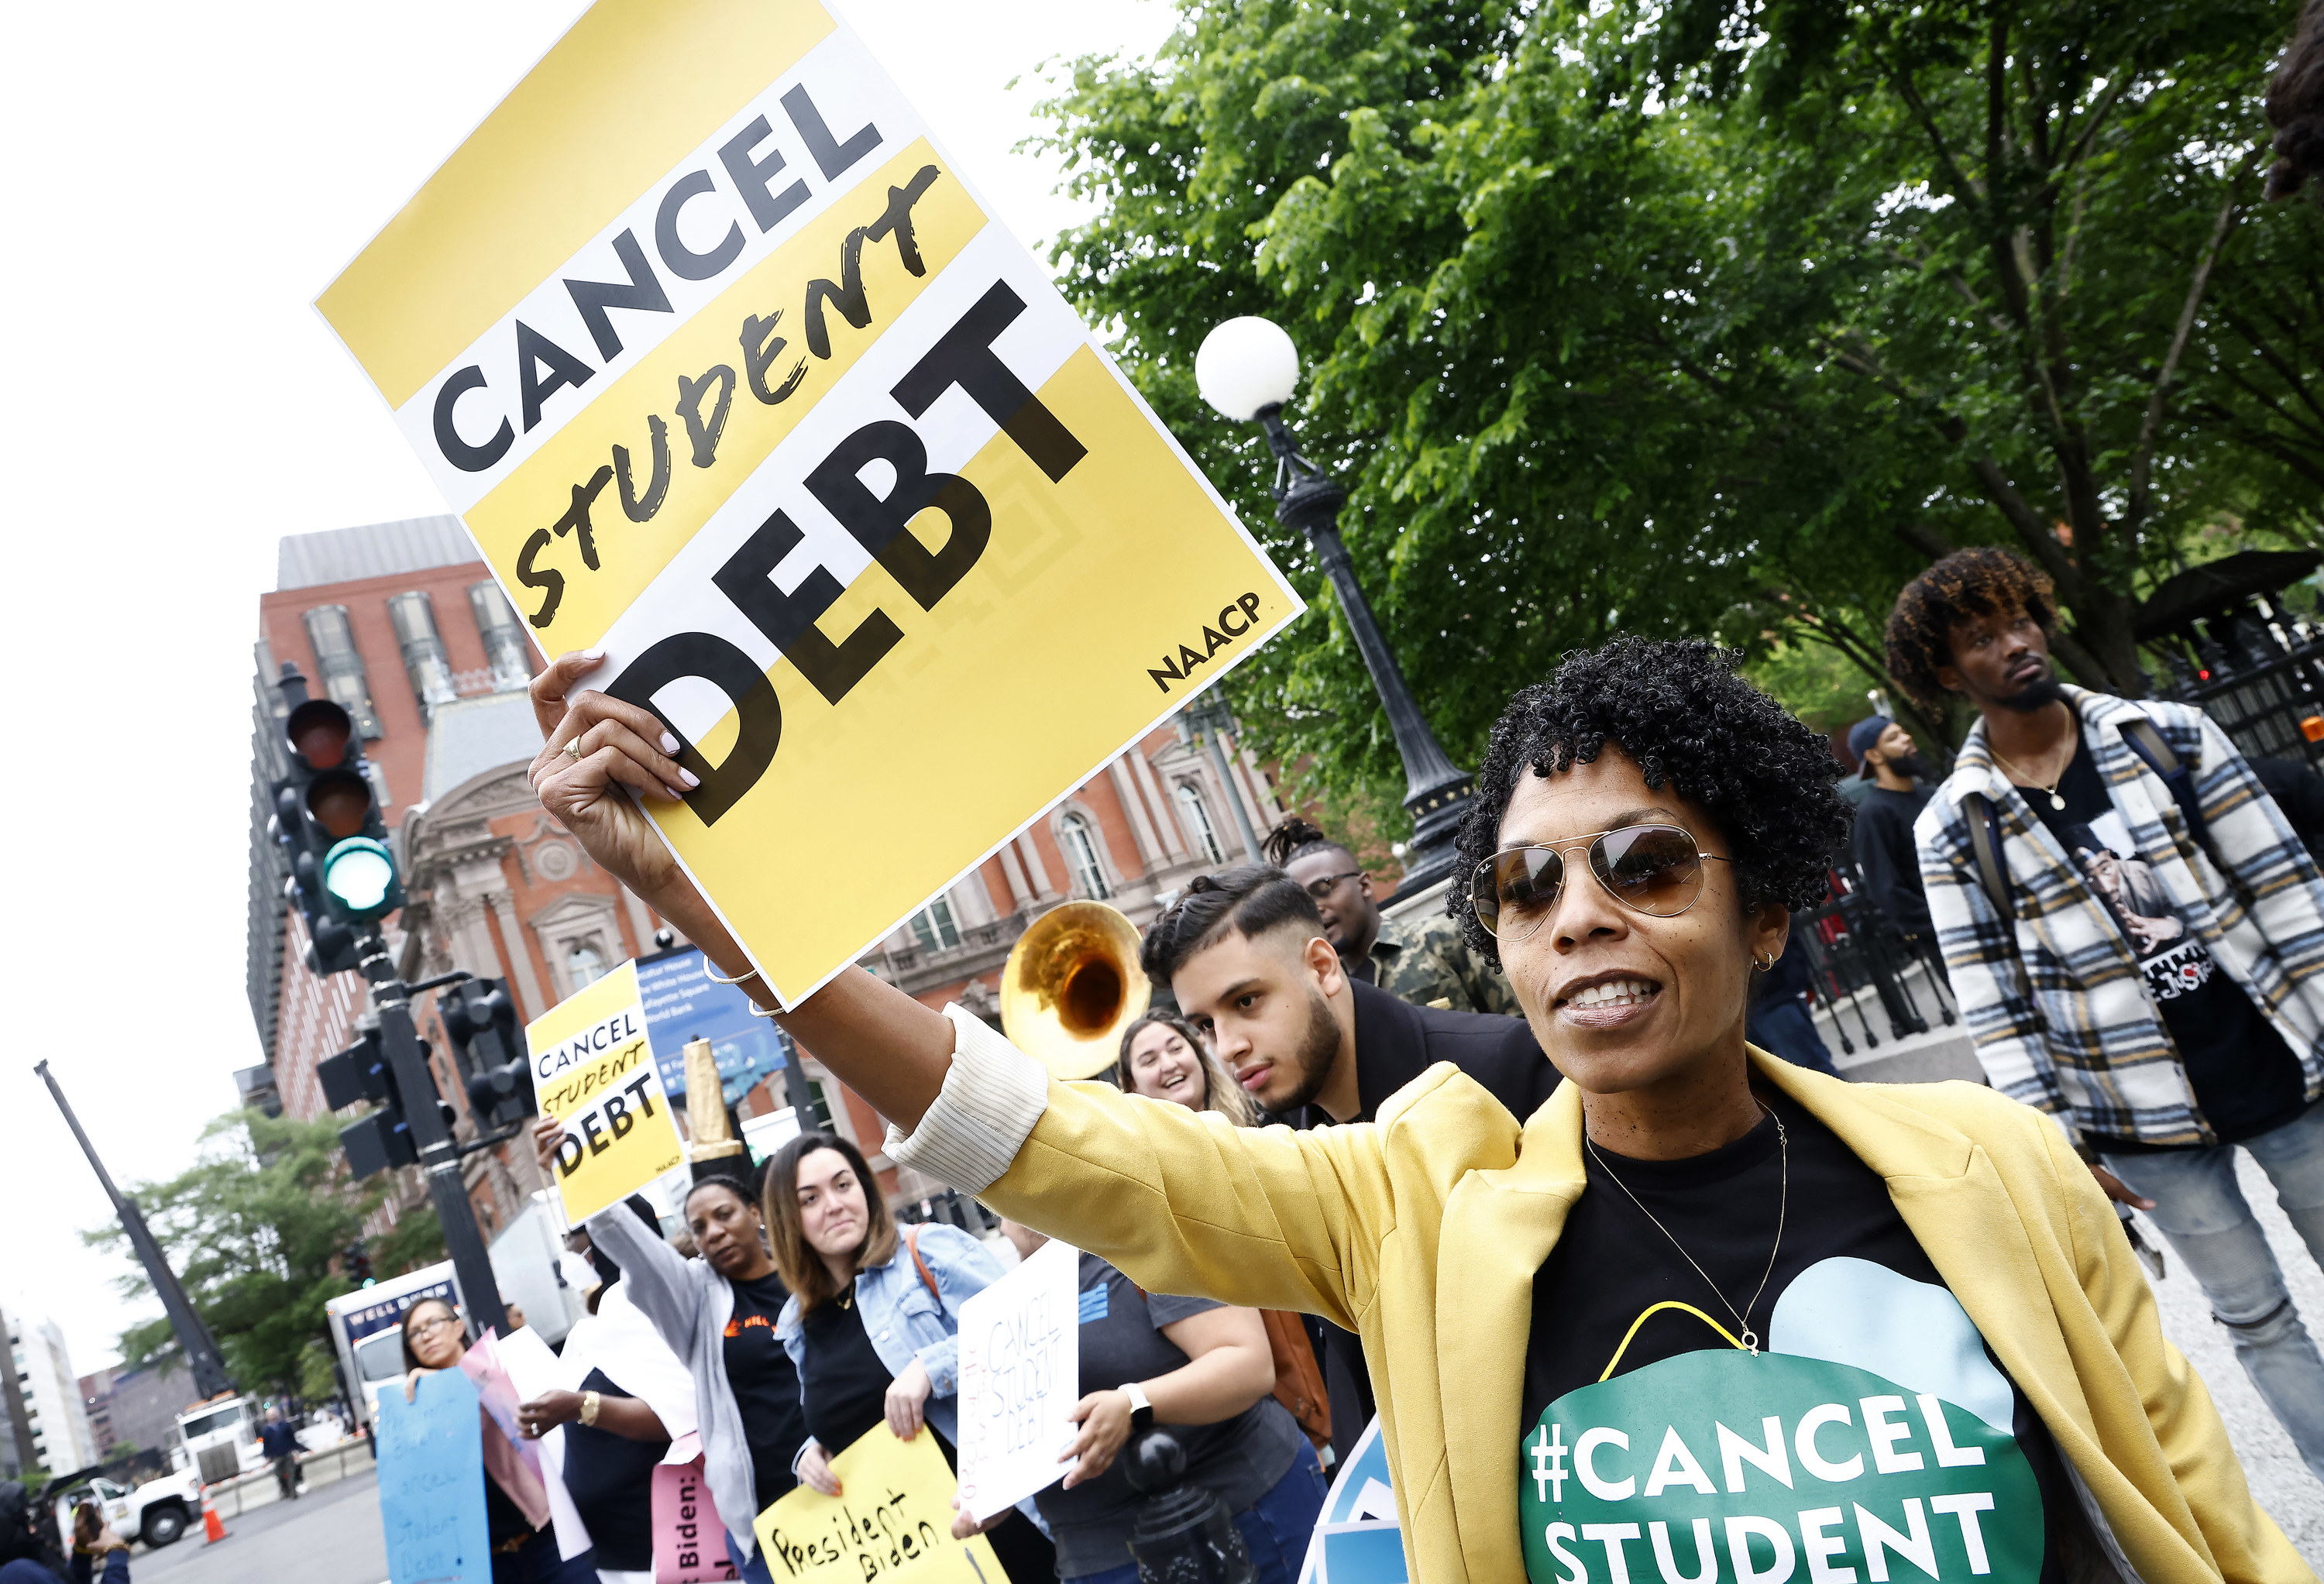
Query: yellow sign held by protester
[(733, 375), (593, 1070), (892, 1522)]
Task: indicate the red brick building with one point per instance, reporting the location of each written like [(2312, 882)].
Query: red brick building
[(399, 623)]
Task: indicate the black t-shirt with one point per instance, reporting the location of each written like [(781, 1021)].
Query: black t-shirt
[(1889, 859), (1873, 1414), (2246, 1079), (610, 1478), (843, 1377), (1238, 1459), (766, 1387)]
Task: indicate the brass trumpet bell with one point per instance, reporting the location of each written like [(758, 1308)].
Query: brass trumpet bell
[(1071, 986)]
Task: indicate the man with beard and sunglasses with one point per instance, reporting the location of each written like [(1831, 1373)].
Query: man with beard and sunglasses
[(2136, 937), (1245, 953), (1882, 844)]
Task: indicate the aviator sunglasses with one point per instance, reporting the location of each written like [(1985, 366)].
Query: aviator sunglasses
[(1654, 869)]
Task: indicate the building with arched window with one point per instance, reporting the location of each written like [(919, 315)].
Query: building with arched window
[(1078, 839), (1197, 820)]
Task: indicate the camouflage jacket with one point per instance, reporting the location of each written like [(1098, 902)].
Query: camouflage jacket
[(1427, 963)]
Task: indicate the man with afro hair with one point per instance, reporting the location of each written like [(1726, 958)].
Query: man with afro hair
[(2136, 937)]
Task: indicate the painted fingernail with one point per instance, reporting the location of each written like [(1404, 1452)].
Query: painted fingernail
[(592, 655), (689, 777), (675, 795), (668, 743)]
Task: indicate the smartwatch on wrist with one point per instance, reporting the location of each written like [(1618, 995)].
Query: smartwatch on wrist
[(1141, 1410)]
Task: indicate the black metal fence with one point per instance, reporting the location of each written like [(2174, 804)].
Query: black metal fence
[(1854, 952), (2259, 672)]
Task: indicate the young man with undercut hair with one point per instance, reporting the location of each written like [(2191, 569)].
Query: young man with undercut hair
[(1245, 953), (1425, 962), (2135, 937)]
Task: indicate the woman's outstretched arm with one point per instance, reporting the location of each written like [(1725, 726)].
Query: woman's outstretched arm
[(1264, 1218)]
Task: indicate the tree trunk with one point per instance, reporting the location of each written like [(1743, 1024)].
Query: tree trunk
[(2100, 650)]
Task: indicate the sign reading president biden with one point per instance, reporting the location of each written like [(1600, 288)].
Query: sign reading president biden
[(732, 374)]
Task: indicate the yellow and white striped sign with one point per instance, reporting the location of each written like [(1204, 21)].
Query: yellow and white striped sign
[(732, 374)]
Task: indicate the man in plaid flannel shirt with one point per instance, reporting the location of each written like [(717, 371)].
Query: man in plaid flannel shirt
[(2135, 937)]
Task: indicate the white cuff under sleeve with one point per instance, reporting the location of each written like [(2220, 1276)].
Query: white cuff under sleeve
[(991, 1098)]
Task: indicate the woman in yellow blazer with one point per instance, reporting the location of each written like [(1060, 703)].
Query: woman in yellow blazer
[(1704, 1316)]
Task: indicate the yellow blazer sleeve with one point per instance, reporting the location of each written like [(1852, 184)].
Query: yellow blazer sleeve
[(1189, 1203), (2206, 1487)]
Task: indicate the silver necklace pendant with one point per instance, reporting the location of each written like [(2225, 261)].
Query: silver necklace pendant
[(1750, 1341), (2057, 803)]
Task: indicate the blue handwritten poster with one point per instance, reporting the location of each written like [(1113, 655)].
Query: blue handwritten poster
[(431, 1483)]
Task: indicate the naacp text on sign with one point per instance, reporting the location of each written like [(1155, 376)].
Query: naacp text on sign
[(731, 376)]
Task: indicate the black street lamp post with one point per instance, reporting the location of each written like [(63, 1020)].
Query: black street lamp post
[(1247, 369)]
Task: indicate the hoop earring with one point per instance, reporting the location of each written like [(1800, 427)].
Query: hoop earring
[(1767, 961)]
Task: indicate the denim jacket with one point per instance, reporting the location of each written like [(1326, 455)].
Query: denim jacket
[(906, 1321)]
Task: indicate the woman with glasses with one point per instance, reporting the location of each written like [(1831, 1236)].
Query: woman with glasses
[(516, 1505), (1705, 1314)]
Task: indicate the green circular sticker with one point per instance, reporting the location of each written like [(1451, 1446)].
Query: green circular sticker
[(1723, 1467)]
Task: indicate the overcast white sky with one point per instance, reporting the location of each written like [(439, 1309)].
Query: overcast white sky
[(184, 180)]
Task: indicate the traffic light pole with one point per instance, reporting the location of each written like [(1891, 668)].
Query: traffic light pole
[(194, 1339), (439, 1156)]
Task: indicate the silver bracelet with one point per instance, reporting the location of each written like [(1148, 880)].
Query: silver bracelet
[(714, 976)]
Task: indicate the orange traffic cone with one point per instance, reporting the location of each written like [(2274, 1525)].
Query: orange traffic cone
[(213, 1530)]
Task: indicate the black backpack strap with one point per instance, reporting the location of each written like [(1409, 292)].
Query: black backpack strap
[(1984, 841), (2140, 737)]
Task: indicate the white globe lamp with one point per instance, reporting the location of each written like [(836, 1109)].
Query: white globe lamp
[(1245, 366)]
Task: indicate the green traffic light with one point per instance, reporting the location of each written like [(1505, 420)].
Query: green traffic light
[(360, 874)]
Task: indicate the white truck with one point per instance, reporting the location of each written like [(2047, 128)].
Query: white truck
[(156, 1512), (218, 1439)]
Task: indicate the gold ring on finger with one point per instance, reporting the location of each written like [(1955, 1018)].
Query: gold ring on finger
[(574, 747)]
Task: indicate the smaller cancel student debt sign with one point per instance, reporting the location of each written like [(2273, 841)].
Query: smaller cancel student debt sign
[(593, 1070), (732, 374)]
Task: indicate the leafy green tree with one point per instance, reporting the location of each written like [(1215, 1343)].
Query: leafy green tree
[(1706, 318), (253, 1230), (2026, 206)]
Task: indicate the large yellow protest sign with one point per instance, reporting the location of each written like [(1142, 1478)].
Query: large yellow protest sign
[(593, 1070), (733, 375), (891, 1522)]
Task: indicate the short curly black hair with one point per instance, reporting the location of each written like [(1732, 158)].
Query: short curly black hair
[(1680, 710), (1966, 584)]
